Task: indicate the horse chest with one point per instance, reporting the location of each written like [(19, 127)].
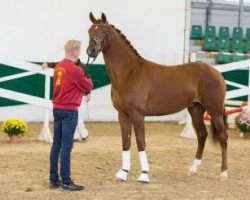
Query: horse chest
[(120, 100), (117, 100)]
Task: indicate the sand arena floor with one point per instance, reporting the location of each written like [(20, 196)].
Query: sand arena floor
[(24, 167)]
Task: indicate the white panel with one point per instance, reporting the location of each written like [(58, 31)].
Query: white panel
[(37, 30)]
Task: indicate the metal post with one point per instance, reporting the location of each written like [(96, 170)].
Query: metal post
[(240, 13), (187, 31), (208, 13), (248, 97)]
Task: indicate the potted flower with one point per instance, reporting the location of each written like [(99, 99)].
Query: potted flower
[(242, 122), (14, 128)]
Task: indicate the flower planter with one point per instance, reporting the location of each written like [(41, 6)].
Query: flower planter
[(242, 122), (246, 135), (14, 128), (14, 139)]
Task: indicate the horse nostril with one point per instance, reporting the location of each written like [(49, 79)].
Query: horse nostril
[(94, 51), (88, 51)]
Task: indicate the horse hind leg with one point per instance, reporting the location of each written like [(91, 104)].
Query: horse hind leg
[(197, 112), (219, 126)]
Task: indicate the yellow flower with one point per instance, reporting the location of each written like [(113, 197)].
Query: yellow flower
[(13, 126)]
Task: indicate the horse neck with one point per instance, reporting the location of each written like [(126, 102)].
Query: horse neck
[(119, 58)]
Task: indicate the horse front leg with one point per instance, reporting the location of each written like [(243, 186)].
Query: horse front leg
[(139, 129), (126, 129)]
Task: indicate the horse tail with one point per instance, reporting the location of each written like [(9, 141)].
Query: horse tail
[(215, 136)]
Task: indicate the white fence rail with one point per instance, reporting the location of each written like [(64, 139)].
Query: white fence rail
[(45, 102), (243, 90)]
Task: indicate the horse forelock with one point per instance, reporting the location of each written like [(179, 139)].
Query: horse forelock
[(99, 21)]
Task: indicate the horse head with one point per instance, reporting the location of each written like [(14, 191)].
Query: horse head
[(98, 35)]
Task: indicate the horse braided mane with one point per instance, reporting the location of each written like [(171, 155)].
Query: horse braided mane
[(126, 40)]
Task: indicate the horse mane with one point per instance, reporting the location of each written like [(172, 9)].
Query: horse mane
[(100, 21), (126, 40)]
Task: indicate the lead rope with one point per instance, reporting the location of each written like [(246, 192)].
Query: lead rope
[(87, 119)]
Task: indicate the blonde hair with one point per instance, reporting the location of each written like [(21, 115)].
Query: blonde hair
[(72, 45)]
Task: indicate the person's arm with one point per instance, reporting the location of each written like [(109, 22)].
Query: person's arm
[(49, 64), (81, 65), (52, 64), (84, 83)]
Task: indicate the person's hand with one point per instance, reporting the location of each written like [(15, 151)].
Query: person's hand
[(44, 66), (87, 98)]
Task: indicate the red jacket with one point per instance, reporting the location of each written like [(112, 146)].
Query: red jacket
[(69, 84)]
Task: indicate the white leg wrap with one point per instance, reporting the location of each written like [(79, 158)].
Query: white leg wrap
[(123, 173), (223, 176), (195, 166), (126, 160), (144, 161), (144, 167), (143, 178)]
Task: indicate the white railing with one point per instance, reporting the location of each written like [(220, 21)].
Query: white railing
[(243, 89), (45, 102)]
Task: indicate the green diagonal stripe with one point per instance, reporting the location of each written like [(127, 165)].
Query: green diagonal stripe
[(34, 84), (238, 76)]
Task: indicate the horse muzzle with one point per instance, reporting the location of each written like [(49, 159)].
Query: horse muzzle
[(92, 52)]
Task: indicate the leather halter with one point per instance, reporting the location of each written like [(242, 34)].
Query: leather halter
[(98, 41)]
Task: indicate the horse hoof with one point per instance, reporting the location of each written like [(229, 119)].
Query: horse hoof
[(143, 178), (223, 176), (191, 173), (121, 175)]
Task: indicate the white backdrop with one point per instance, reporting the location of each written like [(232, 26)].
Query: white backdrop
[(33, 30)]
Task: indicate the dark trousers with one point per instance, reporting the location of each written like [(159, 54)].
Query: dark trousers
[(65, 122)]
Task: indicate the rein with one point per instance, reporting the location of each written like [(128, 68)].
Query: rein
[(88, 65)]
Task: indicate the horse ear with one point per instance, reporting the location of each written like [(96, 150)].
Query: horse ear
[(91, 17), (104, 19)]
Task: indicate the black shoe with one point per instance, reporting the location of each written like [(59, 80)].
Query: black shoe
[(54, 184), (72, 187)]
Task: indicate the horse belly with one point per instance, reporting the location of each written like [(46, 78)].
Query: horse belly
[(159, 108)]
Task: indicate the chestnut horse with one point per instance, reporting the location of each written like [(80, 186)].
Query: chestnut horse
[(142, 88)]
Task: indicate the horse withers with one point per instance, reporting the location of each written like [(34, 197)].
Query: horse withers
[(142, 88)]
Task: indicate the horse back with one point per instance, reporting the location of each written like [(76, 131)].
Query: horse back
[(160, 90), (195, 74)]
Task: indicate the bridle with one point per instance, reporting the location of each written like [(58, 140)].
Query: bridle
[(98, 41)]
